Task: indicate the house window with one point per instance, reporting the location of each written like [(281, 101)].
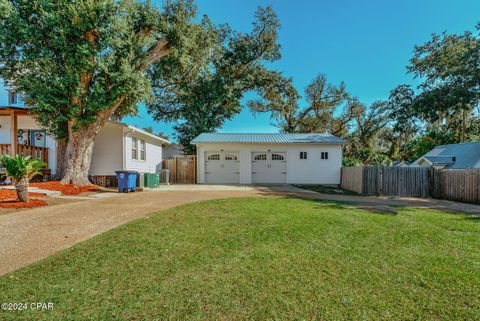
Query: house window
[(261, 157), (230, 157), (303, 155), (214, 157), (134, 148), (324, 155), (277, 157), (12, 98), (142, 150)]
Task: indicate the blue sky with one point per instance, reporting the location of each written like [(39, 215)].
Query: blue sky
[(365, 43)]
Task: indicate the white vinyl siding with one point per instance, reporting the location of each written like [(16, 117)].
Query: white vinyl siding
[(107, 151), (153, 153)]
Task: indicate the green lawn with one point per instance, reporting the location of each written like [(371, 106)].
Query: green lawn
[(263, 259)]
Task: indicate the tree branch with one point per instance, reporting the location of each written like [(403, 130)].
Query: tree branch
[(159, 50)]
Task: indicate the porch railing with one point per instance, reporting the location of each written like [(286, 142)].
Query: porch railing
[(26, 150)]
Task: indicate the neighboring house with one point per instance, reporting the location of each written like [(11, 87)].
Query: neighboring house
[(172, 151), (268, 158), (118, 146), (454, 156), (400, 164)]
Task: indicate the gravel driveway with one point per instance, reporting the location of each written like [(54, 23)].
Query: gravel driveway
[(31, 235)]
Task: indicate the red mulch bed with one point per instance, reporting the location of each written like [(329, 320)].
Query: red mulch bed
[(8, 199), (66, 189)]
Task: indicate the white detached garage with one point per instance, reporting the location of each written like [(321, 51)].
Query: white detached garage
[(268, 158)]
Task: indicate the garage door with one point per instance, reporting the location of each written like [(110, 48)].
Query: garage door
[(222, 168), (269, 168)]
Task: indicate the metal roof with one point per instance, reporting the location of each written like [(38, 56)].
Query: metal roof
[(270, 138), (467, 155)]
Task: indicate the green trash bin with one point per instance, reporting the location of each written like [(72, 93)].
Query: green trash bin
[(151, 180)]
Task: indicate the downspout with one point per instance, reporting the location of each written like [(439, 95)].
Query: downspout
[(124, 155), (198, 164)]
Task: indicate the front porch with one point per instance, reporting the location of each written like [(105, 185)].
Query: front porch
[(25, 150), (18, 145)]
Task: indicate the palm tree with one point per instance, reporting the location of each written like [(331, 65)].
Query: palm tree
[(21, 169)]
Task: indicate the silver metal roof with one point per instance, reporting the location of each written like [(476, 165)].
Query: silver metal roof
[(270, 138), (455, 156)]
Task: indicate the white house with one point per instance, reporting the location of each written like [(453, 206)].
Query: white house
[(268, 158), (118, 146)]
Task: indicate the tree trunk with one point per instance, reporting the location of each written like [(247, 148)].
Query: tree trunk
[(78, 155), (21, 187), (61, 150)]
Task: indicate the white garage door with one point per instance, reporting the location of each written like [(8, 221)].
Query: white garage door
[(269, 168), (222, 168)]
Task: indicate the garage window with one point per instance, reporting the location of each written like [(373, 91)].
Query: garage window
[(261, 157), (277, 157), (324, 155), (230, 157), (214, 157), (303, 155)]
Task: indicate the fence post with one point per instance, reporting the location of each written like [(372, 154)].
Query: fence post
[(379, 180)]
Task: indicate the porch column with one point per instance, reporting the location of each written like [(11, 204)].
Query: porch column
[(13, 133)]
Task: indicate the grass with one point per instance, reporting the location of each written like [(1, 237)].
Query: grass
[(263, 259), (327, 189)]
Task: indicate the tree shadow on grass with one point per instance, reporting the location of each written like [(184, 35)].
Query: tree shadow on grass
[(375, 208), (473, 218)]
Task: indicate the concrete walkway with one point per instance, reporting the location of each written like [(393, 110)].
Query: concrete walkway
[(31, 235)]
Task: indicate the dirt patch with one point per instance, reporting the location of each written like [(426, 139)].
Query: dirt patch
[(66, 189)]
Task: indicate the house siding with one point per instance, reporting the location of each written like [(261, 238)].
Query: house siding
[(107, 151), (153, 148), (313, 170), (5, 129)]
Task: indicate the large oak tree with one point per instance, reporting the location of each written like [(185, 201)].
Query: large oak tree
[(83, 62)]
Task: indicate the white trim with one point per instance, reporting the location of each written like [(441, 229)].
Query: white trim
[(140, 131)]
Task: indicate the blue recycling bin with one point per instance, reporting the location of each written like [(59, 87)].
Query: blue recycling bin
[(127, 181)]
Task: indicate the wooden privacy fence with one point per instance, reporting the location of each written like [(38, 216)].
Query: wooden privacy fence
[(462, 185), (183, 170)]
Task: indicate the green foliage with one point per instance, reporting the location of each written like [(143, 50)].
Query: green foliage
[(210, 88), (77, 60), (350, 161), (19, 167), (323, 101), (424, 143), (449, 67)]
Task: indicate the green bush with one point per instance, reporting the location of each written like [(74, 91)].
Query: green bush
[(21, 169)]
